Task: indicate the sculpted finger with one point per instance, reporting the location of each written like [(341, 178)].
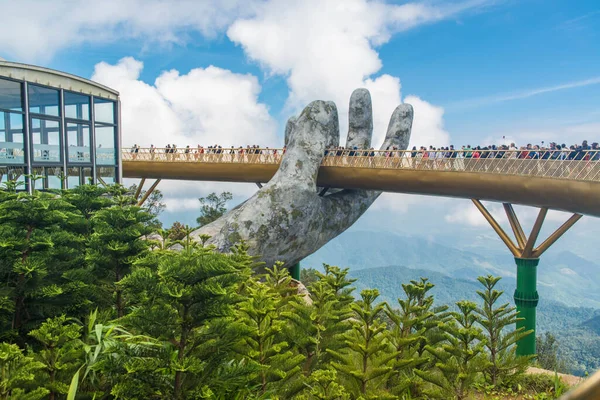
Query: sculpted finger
[(360, 120), (314, 129), (288, 128), (334, 133), (398, 133), (350, 204)]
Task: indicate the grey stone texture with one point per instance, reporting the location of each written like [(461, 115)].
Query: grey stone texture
[(286, 220)]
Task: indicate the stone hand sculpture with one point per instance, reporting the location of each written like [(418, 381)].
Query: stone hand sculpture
[(287, 220)]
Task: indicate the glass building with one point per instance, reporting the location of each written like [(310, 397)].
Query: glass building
[(57, 130)]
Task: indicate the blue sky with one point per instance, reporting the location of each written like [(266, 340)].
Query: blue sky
[(497, 48), (475, 70)]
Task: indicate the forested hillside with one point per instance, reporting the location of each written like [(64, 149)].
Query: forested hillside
[(577, 328), (562, 276), (91, 308)]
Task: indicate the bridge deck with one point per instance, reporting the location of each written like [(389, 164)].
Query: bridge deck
[(567, 185)]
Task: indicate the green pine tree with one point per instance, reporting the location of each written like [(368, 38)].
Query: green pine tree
[(459, 361), (300, 328), (429, 316), (368, 357), (264, 313), (323, 385), (18, 374), (179, 305), (410, 327), (39, 243), (115, 245), (332, 297), (61, 353), (500, 341), (88, 199), (319, 324)]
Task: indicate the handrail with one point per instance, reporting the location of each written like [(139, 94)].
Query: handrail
[(573, 165), (587, 390)]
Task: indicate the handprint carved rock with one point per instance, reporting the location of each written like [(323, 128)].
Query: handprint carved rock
[(287, 220)]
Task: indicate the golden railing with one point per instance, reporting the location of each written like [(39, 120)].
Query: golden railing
[(573, 165)]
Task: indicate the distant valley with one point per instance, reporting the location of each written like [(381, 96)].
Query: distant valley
[(562, 276), (569, 286)]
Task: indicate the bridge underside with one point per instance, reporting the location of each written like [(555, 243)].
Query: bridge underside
[(558, 194)]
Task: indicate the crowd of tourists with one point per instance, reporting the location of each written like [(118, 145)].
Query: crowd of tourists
[(552, 151), (216, 149)]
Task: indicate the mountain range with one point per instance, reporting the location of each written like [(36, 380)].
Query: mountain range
[(562, 275), (568, 285)]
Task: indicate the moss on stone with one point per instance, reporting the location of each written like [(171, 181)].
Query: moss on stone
[(297, 214), (234, 237), (262, 235)]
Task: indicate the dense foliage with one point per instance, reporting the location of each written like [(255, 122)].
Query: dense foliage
[(576, 348), (92, 308)]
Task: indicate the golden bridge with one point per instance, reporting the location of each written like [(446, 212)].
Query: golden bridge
[(554, 180), (566, 185)]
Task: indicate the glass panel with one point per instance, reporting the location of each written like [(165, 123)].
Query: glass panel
[(10, 95), (78, 140), (73, 177), (54, 177), (106, 175), (16, 121), (46, 140), (77, 106), (87, 176), (12, 174), (43, 100), (77, 176), (105, 145), (11, 138), (104, 110), (40, 182)]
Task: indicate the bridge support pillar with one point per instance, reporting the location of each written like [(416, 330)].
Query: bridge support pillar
[(527, 258), (148, 192), (526, 299), (295, 271)]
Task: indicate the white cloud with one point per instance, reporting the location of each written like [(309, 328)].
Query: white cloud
[(428, 124), (326, 49), (467, 214), (204, 106), (396, 202), (35, 30)]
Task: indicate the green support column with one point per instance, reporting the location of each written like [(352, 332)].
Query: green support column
[(295, 271), (526, 300)]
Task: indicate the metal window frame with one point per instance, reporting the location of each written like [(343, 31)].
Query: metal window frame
[(62, 160), (64, 111), (115, 110), (66, 147), (93, 139), (116, 135), (23, 93), (119, 167), (59, 90), (28, 137)]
